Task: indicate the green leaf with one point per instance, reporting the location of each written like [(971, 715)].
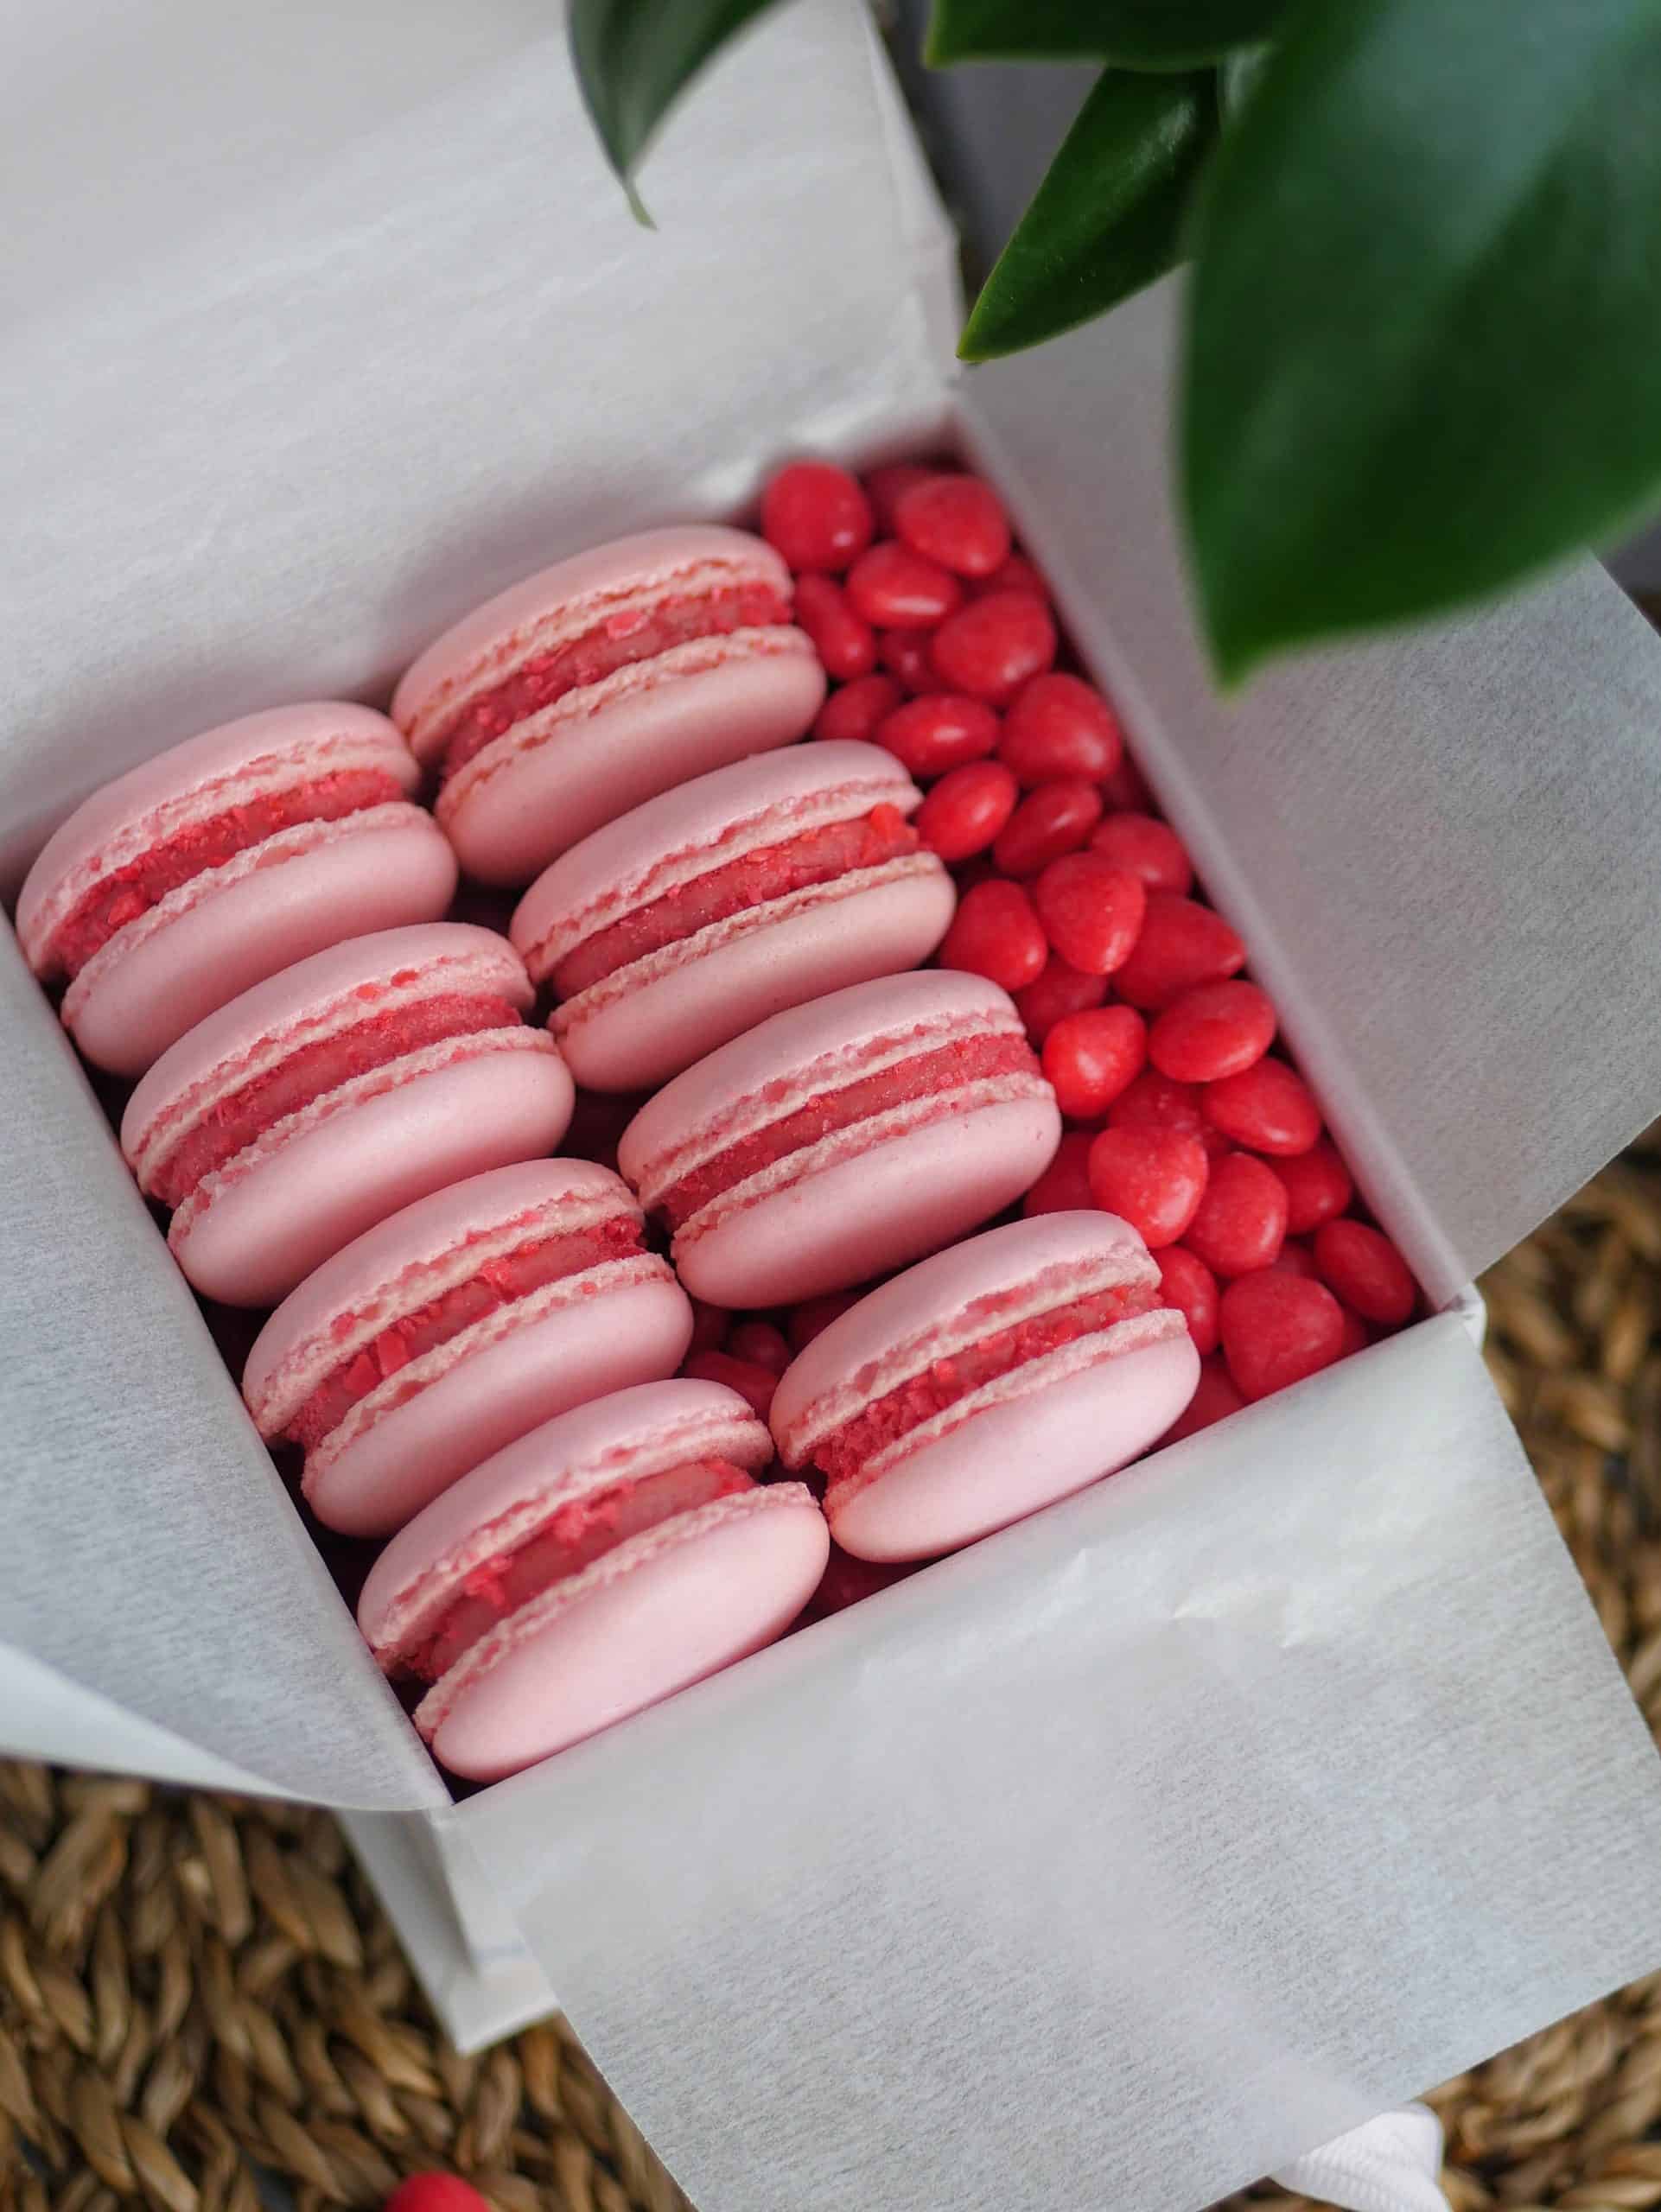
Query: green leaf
[(634, 58), (1134, 34), (1424, 331), (1108, 217)]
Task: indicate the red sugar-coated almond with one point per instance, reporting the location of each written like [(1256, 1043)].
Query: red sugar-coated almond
[(955, 520), (898, 589), (1269, 1108), (1060, 991), (710, 1327), (1357, 1335), (1154, 1178), (1126, 786), (884, 488), (1052, 819), (761, 1344), (1060, 726), (1017, 573), (843, 641), (813, 1315), (816, 516), (756, 1384), (857, 707), (848, 1581), (995, 933), (1218, 1030), (1363, 1268), (1240, 1223), (1091, 913), (1276, 1329), (1318, 1188), (1149, 847), (905, 655), (993, 645), (435, 2193), (1189, 1285), (1090, 1057), (964, 812), (1214, 1399), (943, 731), (1295, 1258), (1180, 946), (1154, 1101), (1064, 1187)]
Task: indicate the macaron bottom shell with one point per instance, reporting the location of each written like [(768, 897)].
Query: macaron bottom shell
[(1014, 1459), (661, 1612)]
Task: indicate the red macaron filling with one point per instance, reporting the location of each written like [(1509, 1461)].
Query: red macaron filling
[(941, 1072), (501, 1280), (843, 1453), (131, 892), (572, 1537), (814, 856), (313, 1071), (613, 642)]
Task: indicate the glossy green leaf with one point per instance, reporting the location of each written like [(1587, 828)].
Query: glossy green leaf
[(1134, 34), (1107, 218), (634, 58), (1424, 331)]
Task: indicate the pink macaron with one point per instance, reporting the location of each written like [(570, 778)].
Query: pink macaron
[(985, 1382), (843, 1138), (453, 1327), (758, 886), (590, 687), (608, 1559), (227, 858), (328, 1097)]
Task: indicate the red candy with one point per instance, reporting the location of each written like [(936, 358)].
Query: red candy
[(1064, 1187), (1149, 847), (1060, 991), (943, 731), (710, 1327), (1091, 913), (1221, 1029), (813, 1315), (995, 933), (1363, 1268), (761, 1344), (1189, 1285), (842, 641), (848, 1581), (886, 487), (1269, 1107), (754, 1383), (1214, 1399), (1154, 1178), (1318, 1188), (1057, 726), (966, 809), (1126, 787), (1056, 818), (955, 520), (1181, 946), (1089, 1059), (816, 516), (1356, 1335), (1240, 1223), (993, 645), (898, 589), (1017, 573), (435, 2193), (1296, 1259), (855, 711), (1276, 1329), (1154, 1101), (904, 653)]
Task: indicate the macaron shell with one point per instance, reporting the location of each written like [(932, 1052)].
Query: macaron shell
[(265, 1228), (1017, 1457), (695, 1596), (876, 1210), (645, 1036), (637, 1332), (151, 984), (523, 802)]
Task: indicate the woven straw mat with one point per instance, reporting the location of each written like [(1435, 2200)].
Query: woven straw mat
[(194, 1987)]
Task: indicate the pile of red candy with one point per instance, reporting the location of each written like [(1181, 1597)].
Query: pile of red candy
[(1183, 1117)]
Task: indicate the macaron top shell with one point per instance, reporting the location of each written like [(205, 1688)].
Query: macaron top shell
[(628, 1435), (195, 781), (670, 840), (610, 584)]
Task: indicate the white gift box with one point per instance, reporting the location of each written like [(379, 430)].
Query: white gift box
[(1207, 1812)]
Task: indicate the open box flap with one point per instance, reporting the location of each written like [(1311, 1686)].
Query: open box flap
[(1358, 1799), (1441, 848), (317, 348), (169, 1616)]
